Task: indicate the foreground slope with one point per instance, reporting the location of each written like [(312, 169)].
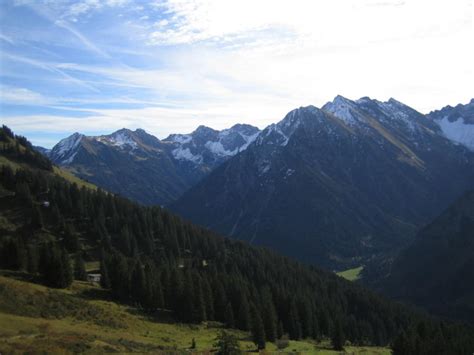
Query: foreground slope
[(334, 186), (154, 261), (82, 320), (437, 271)]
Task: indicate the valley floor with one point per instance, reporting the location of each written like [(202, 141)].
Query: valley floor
[(36, 319)]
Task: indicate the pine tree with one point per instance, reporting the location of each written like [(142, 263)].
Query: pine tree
[(66, 270), (220, 301), (36, 218), (22, 191), (294, 326), (230, 321), (137, 283), (338, 339), (226, 344), (208, 299), (258, 331), (280, 330), (243, 317), (71, 240), (33, 259), (199, 302), (79, 268), (104, 274), (269, 316)]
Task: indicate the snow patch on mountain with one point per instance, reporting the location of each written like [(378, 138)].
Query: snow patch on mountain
[(180, 138), (399, 111), (68, 144), (185, 154), (458, 131), (63, 152), (70, 159), (218, 149), (343, 109), (121, 139), (205, 142)]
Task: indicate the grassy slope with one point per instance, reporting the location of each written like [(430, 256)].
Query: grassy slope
[(33, 317), (351, 274), (56, 170)]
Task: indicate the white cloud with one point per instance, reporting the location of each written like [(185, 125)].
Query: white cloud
[(22, 96)]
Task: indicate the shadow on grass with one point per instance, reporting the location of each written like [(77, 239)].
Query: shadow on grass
[(95, 294)]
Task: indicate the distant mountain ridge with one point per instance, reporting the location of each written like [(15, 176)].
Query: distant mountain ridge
[(138, 165), (336, 185)]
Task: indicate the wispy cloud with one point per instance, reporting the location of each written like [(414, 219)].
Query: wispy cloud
[(48, 67), (6, 39), (23, 96)]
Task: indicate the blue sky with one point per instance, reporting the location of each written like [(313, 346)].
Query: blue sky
[(168, 66)]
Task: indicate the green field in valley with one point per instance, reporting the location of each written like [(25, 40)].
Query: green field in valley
[(351, 274)]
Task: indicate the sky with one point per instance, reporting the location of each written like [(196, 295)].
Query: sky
[(169, 66)]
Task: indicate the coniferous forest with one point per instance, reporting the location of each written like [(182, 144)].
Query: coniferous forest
[(154, 260)]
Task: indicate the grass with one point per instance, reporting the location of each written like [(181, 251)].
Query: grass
[(351, 274), (72, 178), (56, 170), (34, 318)]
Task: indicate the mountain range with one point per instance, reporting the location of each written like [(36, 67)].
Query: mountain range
[(334, 186), (140, 166), (337, 185)]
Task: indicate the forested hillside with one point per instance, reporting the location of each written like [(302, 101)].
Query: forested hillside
[(153, 259), (437, 271)]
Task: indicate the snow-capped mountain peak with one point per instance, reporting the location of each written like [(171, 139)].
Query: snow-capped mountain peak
[(208, 145), (122, 138), (65, 151), (279, 134), (343, 109)]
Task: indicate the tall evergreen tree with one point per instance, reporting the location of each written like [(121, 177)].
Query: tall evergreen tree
[(226, 344), (294, 325), (230, 320), (269, 315), (258, 330), (104, 274), (79, 268), (338, 338), (243, 317)]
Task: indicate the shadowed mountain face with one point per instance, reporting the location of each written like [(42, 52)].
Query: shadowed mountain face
[(437, 271), (139, 166), (336, 185)]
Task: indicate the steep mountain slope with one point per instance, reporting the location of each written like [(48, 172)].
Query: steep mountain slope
[(457, 123), (138, 165), (437, 271), (336, 185)]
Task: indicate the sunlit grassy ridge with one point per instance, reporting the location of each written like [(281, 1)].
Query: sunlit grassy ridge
[(81, 319)]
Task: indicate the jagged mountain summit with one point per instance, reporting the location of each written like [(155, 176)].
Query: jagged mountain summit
[(457, 123), (336, 185), (138, 165), (207, 148)]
